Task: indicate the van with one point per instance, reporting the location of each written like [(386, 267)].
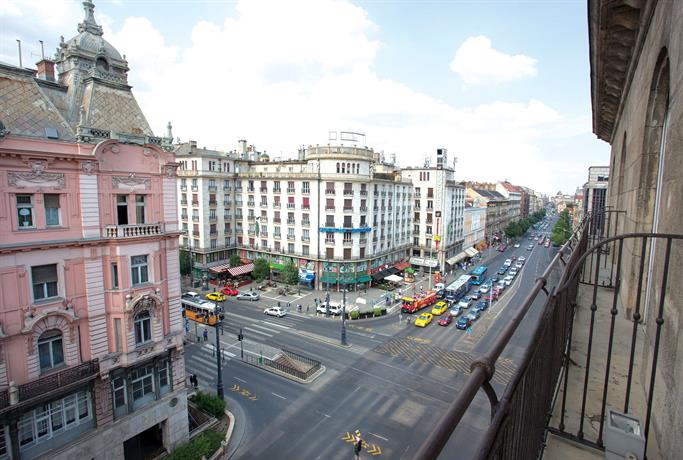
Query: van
[(335, 308)]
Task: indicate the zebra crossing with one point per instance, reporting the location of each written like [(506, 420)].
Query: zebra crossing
[(201, 357)]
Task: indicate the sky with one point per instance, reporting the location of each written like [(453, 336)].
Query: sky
[(503, 85)]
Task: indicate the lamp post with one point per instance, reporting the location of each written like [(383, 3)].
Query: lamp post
[(189, 246), (219, 370), (343, 324)]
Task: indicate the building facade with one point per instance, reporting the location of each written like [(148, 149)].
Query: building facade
[(339, 213), (497, 210), (91, 349), (637, 108), (594, 196), (514, 197)]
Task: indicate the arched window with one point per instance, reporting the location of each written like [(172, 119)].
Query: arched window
[(143, 328), (102, 64), (337, 168), (50, 349), (348, 167), (343, 169)]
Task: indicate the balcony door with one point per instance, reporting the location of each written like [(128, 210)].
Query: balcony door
[(122, 209)]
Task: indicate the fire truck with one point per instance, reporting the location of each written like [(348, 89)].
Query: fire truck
[(418, 302)]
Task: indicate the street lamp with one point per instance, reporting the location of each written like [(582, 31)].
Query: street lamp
[(343, 324)]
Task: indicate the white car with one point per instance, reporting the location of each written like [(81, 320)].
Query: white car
[(513, 272), (250, 295), (508, 280), (484, 289), (516, 245), (335, 308), (521, 259), (439, 286), (275, 311), (464, 303), (507, 263), (519, 265)]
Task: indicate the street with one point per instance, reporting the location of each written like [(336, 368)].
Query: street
[(393, 382)]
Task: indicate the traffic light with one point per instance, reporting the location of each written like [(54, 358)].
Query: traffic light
[(240, 337)]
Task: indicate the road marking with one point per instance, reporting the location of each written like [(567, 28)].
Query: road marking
[(246, 328), (378, 436), (324, 414), (241, 380), (375, 450), (276, 325), (277, 395)]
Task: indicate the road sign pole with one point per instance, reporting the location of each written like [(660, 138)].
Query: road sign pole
[(219, 370)]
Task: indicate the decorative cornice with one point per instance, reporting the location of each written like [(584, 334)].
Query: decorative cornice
[(37, 177)]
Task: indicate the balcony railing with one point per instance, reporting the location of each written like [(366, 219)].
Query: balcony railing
[(183, 202), (290, 191), (212, 188), (263, 189), (277, 189), (213, 218), (305, 223), (348, 192), (213, 203), (363, 193), (306, 191), (585, 338), (183, 188), (276, 205), (290, 205), (133, 231), (329, 192)]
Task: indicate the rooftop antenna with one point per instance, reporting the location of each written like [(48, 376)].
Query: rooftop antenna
[(42, 49), (427, 161), (21, 65)]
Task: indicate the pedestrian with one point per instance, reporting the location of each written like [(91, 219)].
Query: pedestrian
[(300, 308), (206, 334), (196, 381), (307, 308), (357, 445)]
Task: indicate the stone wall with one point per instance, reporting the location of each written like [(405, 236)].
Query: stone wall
[(656, 84)]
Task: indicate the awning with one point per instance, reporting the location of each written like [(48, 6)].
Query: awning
[(392, 270), (471, 252), (457, 258), (220, 268), (402, 266), (363, 278), (379, 275), (394, 278), (237, 271), (349, 281), (328, 279)]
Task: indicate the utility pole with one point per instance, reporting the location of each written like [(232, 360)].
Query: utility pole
[(219, 370)]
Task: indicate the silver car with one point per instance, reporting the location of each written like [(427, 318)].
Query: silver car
[(248, 296)]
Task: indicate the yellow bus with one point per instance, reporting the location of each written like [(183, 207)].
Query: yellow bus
[(202, 311)]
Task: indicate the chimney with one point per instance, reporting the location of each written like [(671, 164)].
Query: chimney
[(242, 146), (46, 70)]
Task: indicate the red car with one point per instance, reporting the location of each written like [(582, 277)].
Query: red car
[(502, 248), (491, 296), (445, 320), (227, 290)]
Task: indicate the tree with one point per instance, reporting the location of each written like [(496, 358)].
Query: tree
[(184, 262), (513, 230), (261, 269), (290, 274), (235, 260)]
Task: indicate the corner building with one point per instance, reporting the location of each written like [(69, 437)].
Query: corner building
[(339, 213), (91, 349)]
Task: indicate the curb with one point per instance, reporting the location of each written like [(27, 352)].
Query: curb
[(224, 444)]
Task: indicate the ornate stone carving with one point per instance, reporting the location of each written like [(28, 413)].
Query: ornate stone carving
[(37, 177), (170, 170), (88, 167), (131, 182)]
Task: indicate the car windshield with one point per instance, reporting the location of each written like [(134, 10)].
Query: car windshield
[(424, 317)]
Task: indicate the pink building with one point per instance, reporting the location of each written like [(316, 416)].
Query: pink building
[(91, 349)]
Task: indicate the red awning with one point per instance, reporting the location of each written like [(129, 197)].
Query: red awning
[(219, 268), (402, 266), (237, 271)]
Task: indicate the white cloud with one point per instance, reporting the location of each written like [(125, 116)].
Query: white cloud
[(477, 63), (283, 74)]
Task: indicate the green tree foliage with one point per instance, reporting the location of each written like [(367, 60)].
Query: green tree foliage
[(235, 260), (290, 274), (261, 269), (562, 230), (184, 262)]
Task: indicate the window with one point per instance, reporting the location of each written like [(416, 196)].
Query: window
[(50, 350), (329, 253), (118, 385), (347, 253), (44, 279), (142, 380), (138, 269), (290, 248), (329, 221), (117, 334), (306, 187), (304, 250), (51, 209), (142, 325), (163, 373), (122, 209), (330, 203), (25, 216), (347, 222), (49, 419), (114, 275)]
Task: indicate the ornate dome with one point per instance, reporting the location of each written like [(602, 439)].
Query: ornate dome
[(89, 41)]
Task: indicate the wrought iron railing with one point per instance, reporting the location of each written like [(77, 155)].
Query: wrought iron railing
[(51, 382)]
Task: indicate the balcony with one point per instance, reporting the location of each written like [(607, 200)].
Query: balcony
[(227, 216), (51, 384), (348, 192), (195, 232), (212, 188), (238, 189), (305, 207), (183, 188), (133, 231), (277, 220), (213, 218), (417, 195), (213, 203), (226, 188), (305, 239), (263, 189), (213, 234), (363, 193), (251, 232), (290, 191), (251, 218), (290, 237), (195, 203), (348, 209), (305, 223), (290, 221), (306, 191), (227, 203), (264, 204), (363, 209), (195, 188), (251, 204), (276, 205), (290, 206), (363, 241), (195, 218), (183, 217), (329, 242), (329, 208), (277, 189), (183, 202), (264, 219), (347, 243), (593, 344), (250, 189), (239, 203), (329, 191)]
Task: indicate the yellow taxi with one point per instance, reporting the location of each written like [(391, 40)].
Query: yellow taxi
[(424, 319), (439, 308), (216, 296)]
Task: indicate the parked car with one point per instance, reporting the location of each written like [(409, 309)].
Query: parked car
[(513, 272), (227, 290), (248, 295), (508, 280), (275, 311), (335, 308), (463, 323), (445, 320)]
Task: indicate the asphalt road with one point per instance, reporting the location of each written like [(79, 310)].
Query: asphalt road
[(392, 383)]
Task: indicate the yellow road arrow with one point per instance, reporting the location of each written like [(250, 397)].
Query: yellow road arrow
[(375, 450), (235, 388), (348, 437), (253, 398)]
